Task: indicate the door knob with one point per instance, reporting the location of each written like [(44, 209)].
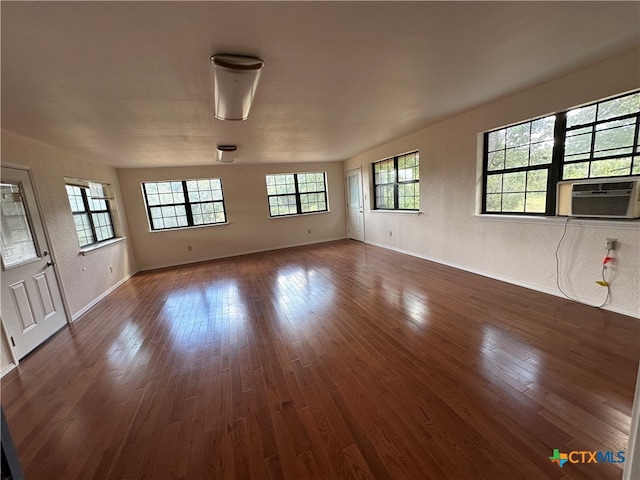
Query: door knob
[(50, 264)]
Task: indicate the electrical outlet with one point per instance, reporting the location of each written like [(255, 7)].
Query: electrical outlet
[(189, 248), (611, 243)]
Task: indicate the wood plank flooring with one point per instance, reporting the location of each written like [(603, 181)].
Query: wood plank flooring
[(337, 360)]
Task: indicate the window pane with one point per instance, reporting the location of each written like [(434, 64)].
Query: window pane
[(310, 183), (514, 182), (384, 172), (164, 187), (537, 180), (409, 160), (280, 184), (619, 106), (18, 245), (542, 129), (573, 171), (513, 202), (282, 205), (497, 140), (577, 144), (581, 116), (312, 202), (153, 199), (384, 196), (83, 229), (408, 196), (169, 216), (75, 198), (518, 135), (205, 213), (494, 183), (157, 223), (496, 160), (611, 168), (541, 153), (494, 202), (536, 202), (615, 138), (517, 157)]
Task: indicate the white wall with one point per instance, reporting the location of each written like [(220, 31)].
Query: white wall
[(84, 278), (520, 251), (249, 228)]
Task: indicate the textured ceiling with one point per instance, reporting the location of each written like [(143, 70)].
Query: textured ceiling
[(128, 84)]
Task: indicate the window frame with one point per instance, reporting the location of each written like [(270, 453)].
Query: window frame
[(89, 212), (396, 183), (188, 204), (556, 168), (298, 194)]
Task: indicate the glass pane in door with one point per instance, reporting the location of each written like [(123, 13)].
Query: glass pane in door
[(18, 246), (354, 192)]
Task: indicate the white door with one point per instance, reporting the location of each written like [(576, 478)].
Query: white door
[(32, 305), (355, 214)]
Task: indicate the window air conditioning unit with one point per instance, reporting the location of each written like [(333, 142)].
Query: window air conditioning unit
[(606, 198)]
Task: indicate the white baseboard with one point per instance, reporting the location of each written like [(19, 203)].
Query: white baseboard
[(530, 286), (95, 301), (237, 254)]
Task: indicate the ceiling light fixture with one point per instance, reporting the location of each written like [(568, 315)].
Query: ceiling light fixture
[(235, 78), (226, 153)]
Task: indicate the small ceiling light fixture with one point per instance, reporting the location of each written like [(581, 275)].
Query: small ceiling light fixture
[(235, 78), (226, 153)]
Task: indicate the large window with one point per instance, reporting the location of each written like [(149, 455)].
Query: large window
[(184, 203), (91, 213), (524, 162), (296, 193), (396, 183)]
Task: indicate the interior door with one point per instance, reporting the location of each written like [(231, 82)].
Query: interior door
[(355, 212), (32, 305)]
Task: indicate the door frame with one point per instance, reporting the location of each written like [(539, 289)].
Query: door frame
[(56, 272), (347, 173)]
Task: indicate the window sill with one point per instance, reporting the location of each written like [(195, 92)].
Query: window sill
[(397, 212), (294, 215), (92, 248), (191, 227), (622, 223)]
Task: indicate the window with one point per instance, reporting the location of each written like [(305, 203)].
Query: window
[(524, 162), (601, 140), (518, 165), (91, 213), (184, 203), (396, 183), (296, 193)]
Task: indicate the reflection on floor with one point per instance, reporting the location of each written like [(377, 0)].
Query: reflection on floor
[(338, 360)]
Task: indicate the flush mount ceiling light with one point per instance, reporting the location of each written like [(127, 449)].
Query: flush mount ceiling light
[(235, 78), (226, 153)]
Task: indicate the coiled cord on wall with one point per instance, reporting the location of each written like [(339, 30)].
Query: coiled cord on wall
[(604, 267)]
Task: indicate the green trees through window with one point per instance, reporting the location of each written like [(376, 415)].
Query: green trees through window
[(184, 203), (296, 193), (396, 183), (524, 162), (91, 214)]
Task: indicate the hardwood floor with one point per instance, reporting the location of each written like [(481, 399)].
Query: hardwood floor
[(338, 360)]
